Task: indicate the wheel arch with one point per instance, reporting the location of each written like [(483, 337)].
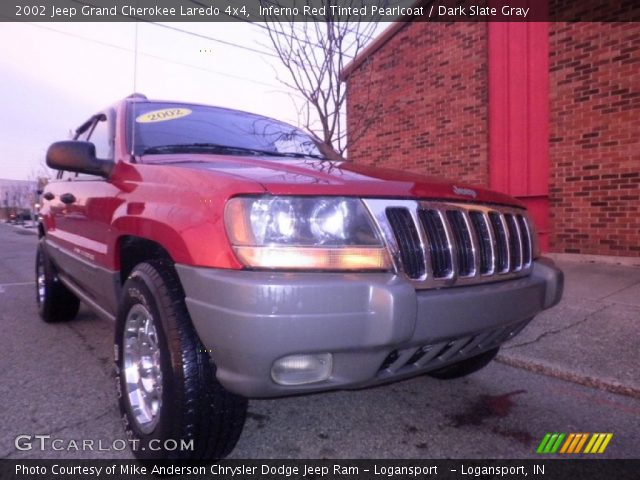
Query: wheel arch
[(132, 250)]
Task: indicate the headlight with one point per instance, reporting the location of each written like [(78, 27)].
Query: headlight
[(320, 233)]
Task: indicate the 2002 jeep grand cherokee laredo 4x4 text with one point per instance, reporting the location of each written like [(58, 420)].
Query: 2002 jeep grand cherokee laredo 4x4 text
[(237, 263)]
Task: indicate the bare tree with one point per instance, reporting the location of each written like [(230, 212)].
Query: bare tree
[(41, 175), (315, 53), (18, 196)]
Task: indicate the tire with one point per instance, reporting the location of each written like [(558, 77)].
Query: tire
[(56, 303), (177, 394), (465, 367)]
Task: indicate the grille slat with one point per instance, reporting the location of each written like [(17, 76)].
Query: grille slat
[(439, 247), (406, 235), (515, 242), (526, 240), (437, 244), (485, 242), (501, 242), (464, 245)]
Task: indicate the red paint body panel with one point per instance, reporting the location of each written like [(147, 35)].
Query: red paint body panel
[(288, 176), (178, 208), (519, 116)]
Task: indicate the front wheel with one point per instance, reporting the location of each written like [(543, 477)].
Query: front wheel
[(465, 367), (171, 403)]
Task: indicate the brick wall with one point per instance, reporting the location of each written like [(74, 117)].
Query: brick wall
[(425, 93), (594, 138), (431, 117)]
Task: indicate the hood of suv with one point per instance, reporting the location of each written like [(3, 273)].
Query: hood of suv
[(308, 176)]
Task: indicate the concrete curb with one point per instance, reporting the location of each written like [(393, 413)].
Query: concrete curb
[(606, 384), (600, 259)]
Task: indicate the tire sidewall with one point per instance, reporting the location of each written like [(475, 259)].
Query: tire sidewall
[(41, 258), (140, 289), (45, 307), (58, 303)]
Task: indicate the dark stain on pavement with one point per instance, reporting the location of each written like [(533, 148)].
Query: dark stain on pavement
[(411, 429), (519, 435), (486, 406), (260, 419)]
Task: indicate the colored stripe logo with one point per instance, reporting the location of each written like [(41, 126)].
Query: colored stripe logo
[(574, 443)]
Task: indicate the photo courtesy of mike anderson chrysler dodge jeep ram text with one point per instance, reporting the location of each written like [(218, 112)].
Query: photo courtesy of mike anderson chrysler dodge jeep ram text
[(238, 262)]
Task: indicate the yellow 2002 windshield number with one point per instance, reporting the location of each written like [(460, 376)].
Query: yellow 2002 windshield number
[(163, 115)]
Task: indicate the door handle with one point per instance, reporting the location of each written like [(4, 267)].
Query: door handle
[(49, 196), (67, 198)]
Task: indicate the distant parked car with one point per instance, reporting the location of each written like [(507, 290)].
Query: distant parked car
[(24, 216), (20, 218)]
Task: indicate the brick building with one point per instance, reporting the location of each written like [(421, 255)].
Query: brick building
[(548, 112)]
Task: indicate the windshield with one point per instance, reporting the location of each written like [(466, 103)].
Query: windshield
[(174, 127)]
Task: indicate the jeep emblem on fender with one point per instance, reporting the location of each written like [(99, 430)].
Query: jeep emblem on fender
[(464, 191)]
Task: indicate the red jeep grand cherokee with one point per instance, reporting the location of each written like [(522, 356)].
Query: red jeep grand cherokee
[(237, 262)]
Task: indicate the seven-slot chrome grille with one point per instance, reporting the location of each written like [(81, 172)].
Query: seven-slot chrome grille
[(439, 244)]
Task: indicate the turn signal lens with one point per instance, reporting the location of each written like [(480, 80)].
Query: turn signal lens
[(315, 258)]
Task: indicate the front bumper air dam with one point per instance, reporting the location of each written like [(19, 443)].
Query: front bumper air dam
[(249, 319)]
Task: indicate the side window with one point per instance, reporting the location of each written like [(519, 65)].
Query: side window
[(101, 137)]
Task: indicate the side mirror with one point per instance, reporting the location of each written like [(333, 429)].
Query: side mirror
[(76, 156)]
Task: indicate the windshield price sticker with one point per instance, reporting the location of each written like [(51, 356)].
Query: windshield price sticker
[(163, 115)]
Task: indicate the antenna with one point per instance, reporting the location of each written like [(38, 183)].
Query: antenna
[(135, 80), (135, 57)]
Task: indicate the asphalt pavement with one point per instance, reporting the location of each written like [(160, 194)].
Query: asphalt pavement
[(574, 369)]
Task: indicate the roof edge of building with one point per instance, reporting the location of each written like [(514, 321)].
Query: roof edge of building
[(380, 41)]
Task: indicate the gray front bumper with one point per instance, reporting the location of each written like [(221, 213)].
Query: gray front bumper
[(377, 326)]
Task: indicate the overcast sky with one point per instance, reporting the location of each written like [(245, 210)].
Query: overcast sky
[(53, 76)]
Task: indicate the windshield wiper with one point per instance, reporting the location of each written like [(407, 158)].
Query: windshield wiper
[(300, 155), (187, 147), (216, 147)]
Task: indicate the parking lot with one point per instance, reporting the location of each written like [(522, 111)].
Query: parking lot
[(56, 379)]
